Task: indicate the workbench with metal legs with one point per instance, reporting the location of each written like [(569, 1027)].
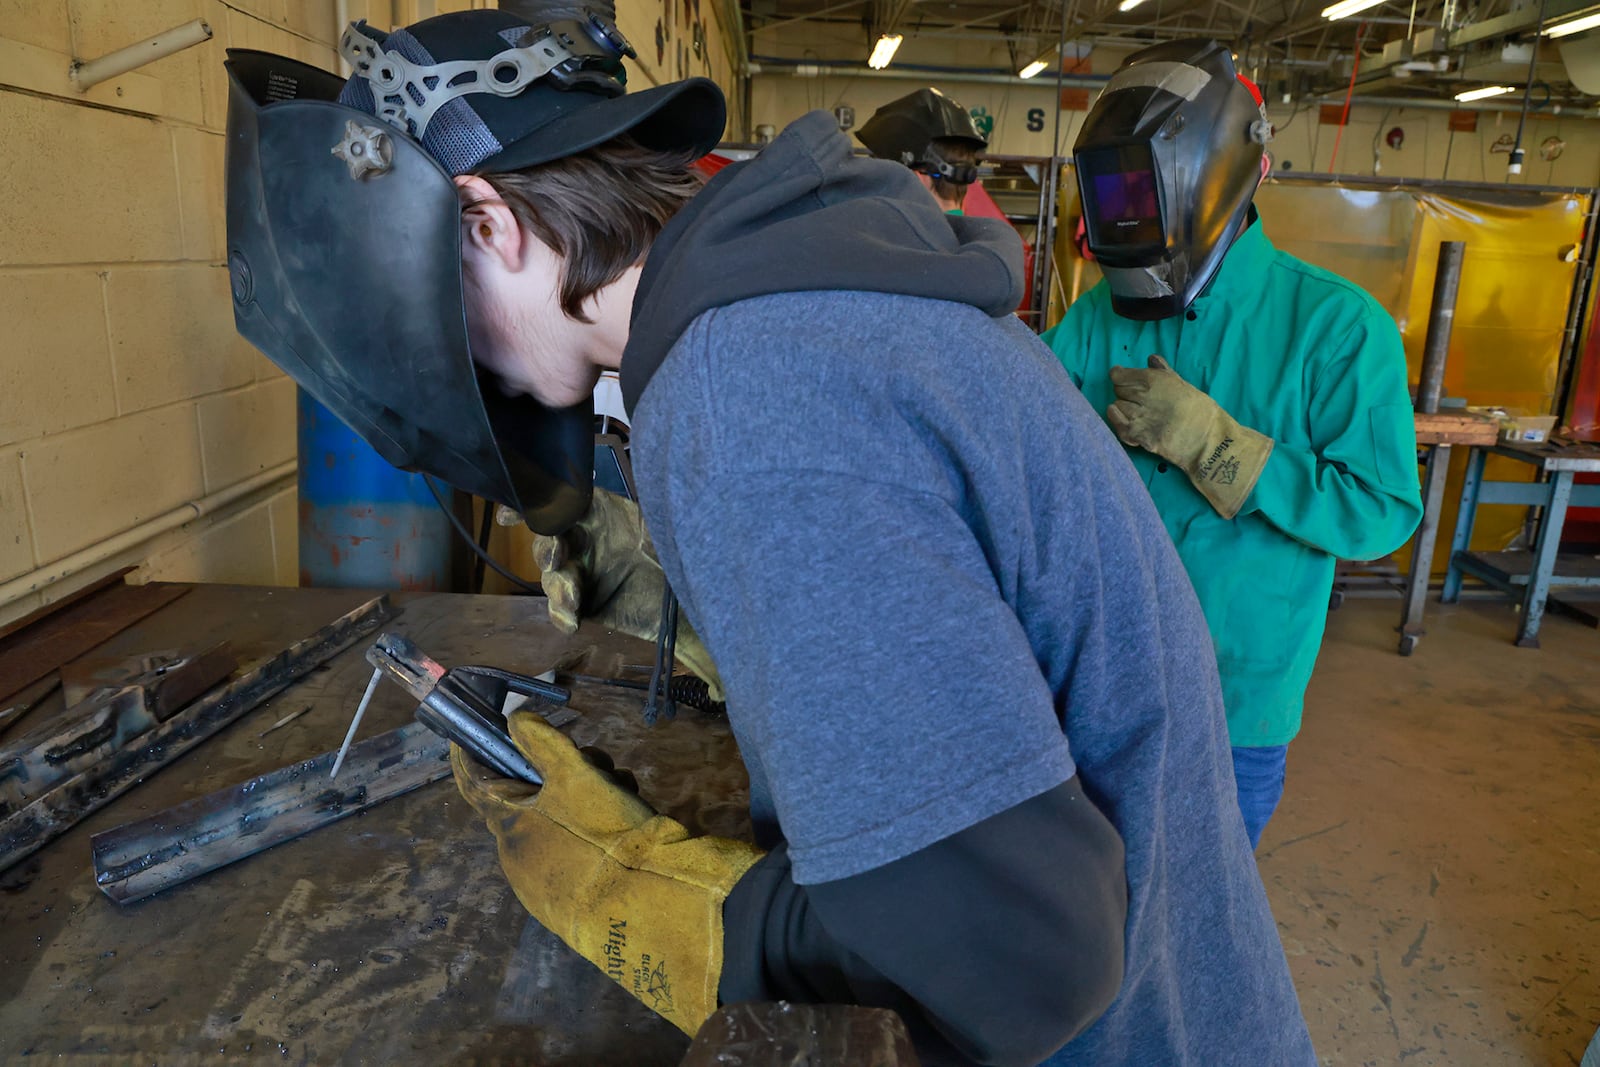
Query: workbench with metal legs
[(1527, 574), (391, 936), (1436, 471), (1437, 434)]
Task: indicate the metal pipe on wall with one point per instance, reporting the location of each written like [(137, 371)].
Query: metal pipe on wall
[(86, 74), (341, 19), (51, 573), (1441, 318)]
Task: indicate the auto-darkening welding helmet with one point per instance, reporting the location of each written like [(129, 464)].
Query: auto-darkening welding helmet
[(905, 130), (1168, 160), (344, 228)]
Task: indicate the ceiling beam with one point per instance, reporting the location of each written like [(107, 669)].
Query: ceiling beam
[(810, 17)]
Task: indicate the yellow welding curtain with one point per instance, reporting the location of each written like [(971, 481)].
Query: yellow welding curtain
[(1511, 312)]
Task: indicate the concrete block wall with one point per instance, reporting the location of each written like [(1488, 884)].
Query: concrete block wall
[(125, 392)]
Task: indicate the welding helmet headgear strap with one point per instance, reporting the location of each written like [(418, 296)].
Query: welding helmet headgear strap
[(573, 53), (1167, 163)]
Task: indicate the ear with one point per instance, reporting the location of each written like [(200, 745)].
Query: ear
[(489, 228)]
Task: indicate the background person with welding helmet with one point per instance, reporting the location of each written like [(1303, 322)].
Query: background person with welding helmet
[(1007, 852), (935, 137), (1263, 400)]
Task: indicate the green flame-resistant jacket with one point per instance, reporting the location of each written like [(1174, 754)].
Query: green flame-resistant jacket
[(1316, 364)]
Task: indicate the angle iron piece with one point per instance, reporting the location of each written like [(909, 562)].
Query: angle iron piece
[(107, 721), (25, 831), (140, 859)]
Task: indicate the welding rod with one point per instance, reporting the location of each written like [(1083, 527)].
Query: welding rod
[(361, 709)]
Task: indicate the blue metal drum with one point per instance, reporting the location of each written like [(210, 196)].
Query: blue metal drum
[(364, 524)]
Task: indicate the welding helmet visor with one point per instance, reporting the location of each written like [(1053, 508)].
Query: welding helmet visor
[(1167, 162)]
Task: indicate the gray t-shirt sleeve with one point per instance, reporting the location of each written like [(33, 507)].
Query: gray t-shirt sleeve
[(879, 684)]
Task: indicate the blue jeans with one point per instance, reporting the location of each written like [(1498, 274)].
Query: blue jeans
[(1258, 773)]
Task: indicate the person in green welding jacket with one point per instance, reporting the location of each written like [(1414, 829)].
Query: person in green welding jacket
[(935, 137), (1263, 400)]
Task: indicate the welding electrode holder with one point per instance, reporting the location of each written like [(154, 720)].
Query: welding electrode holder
[(451, 707)]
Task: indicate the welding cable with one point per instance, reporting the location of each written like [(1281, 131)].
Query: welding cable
[(1527, 94), (659, 701), (485, 528), (466, 535), (1361, 35)]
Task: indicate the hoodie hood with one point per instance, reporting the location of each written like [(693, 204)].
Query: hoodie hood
[(807, 215)]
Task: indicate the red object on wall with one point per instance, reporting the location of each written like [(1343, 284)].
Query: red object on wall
[(1074, 100)]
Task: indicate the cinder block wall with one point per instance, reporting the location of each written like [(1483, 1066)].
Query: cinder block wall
[(125, 392)]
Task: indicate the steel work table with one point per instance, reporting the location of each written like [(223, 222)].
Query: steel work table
[(1525, 574), (391, 936), (1437, 433)]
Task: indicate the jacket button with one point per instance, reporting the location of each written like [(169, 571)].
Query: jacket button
[(1190, 315), (1161, 467)]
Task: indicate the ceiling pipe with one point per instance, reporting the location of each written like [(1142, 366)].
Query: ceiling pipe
[(770, 67), (1427, 104), (1502, 26), (766, 65)]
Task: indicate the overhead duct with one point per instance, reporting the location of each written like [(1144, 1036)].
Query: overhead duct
[(1430, 104), (812, 68), (1581, 56)]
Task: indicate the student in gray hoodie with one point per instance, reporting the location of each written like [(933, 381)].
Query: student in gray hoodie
[(1010, 814)]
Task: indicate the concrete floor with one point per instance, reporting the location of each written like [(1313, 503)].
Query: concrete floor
[(1435, 865)]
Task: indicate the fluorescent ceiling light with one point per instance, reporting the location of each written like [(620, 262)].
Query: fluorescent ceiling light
[(1129, 5), (1484, 93), (1577, 25), (1345, 8), (884, 50), (1032, 68)]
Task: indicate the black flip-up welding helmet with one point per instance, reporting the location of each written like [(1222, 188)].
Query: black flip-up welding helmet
[(907, 130), (344, 228), (1168, 160)]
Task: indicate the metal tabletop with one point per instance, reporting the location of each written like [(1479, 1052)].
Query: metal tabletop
[(391, 936), (1549, 457)]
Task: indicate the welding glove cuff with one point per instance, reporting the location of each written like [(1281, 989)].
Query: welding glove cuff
[(605, 568), (1158, 411), (626, 888)]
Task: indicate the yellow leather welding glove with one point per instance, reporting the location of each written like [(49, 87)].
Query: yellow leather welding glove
[(627, 889), (1158, 411), (605, 569)]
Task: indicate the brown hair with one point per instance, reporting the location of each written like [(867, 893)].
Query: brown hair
[(600, 210), (959, 152)]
